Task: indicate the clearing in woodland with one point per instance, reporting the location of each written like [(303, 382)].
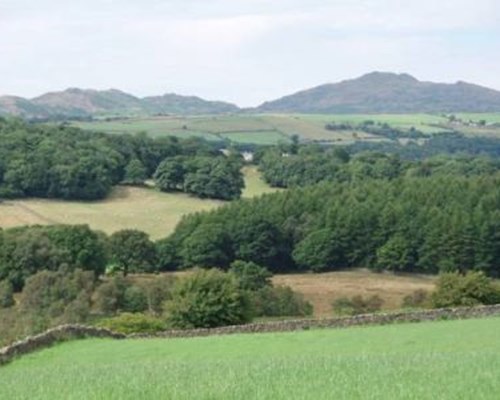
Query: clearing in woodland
[(146, 209)]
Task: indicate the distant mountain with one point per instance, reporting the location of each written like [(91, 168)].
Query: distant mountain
[(83, 103), (376, 92), (384, 92), (175, 104)]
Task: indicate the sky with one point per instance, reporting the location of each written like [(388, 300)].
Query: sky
[(241, 51)]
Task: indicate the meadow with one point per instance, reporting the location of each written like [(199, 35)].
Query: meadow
[(146, 209), (434, 360)]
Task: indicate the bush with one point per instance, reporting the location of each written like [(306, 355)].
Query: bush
[(128, 323), (280, 301), (157, 292), (418, 299), (109, 296), (357, 305), (135, 299), (207, 299), (250, 275), (6, 294), (457, 290)]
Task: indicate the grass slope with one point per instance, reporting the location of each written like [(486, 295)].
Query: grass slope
[(146, 209), (438, 360)]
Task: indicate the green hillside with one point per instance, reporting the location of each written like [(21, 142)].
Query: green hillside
[(438, 360)]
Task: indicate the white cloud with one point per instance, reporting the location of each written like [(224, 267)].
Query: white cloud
[(241, 50)]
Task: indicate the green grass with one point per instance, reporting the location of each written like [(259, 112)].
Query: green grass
[(146, 209), (441, 360), (254, 185), (257, 137), (271, 128)]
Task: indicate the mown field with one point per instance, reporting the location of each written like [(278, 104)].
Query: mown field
[(437, 360), (145, 209)]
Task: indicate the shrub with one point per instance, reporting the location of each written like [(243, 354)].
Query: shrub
[(157, 292), (357, 305), (207, 299), (473, 288), (128, 323), (250, 275), (280, 301), (418, 299), (135, 299), (109, 296), (6, 294)]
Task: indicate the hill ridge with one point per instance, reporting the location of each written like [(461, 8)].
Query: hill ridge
[(387, 92)]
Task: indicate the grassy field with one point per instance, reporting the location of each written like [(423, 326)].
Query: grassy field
[(146, 209), (437, 360), (273, 128), (322, 289)]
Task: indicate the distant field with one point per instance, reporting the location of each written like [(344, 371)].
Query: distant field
[(273, 128), (425, 361), (146, 209), (322, 289)]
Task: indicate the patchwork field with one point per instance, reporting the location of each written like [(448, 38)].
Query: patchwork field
[(436, 360), (146, 209)]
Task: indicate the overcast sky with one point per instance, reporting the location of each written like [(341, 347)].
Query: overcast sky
[(243, 51)]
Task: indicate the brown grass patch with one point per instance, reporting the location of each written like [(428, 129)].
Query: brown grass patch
[(322, 289)]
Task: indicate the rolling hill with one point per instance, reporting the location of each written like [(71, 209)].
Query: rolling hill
[(83, 103), (373, 93), (385, 92)]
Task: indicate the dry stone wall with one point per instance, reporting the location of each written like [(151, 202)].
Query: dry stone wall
[(52, 336), (70, 332), (343, 322)]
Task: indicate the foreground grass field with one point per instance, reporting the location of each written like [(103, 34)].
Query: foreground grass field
[(438, 360), (137, 208)]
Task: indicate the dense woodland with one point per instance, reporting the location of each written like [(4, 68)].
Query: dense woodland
[(287, 166), (415, 224), (68, 163)]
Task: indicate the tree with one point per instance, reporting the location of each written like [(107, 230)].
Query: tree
[(250, 275), (261, 242), (6, 294), (170, 175), (456, 290), (207, 299), (320, 251), (135, 173), (132, 251), (395, 255), (208, 246)]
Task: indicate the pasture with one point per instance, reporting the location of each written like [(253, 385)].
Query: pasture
[(433, 360), (146, 209), (265, 128)]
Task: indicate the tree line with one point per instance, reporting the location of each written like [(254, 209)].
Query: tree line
[(428, 224), (68, 163), (312, 164)]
